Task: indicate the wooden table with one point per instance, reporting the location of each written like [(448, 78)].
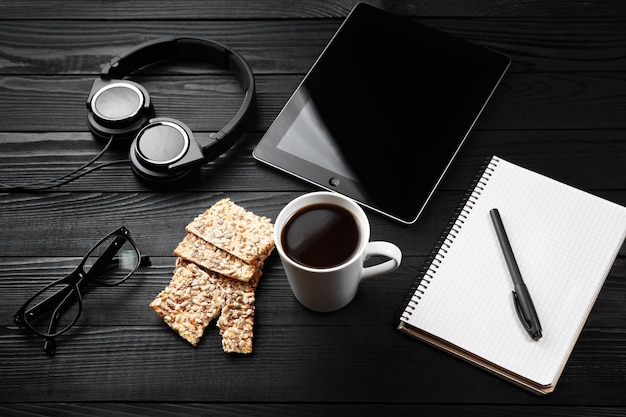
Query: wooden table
[(560, 110)]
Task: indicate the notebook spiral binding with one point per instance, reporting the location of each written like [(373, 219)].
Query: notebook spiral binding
[(449, 234)]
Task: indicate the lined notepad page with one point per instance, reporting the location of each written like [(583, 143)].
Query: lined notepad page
[(565, 242)]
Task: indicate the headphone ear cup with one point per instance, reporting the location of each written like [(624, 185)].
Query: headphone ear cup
[(153, 177), (164, 151), (118, 109)]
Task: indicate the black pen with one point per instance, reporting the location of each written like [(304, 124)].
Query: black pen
[(521, 297)]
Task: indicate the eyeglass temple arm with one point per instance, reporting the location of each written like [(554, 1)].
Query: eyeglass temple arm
[(54, 300), (145, 261), (107, 257), (61, 308), (51, 302), (49, 345)]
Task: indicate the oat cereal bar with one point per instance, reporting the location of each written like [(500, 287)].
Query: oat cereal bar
[(197, 250), (236, 323), (189, 302), (194, 297), (236, 230)]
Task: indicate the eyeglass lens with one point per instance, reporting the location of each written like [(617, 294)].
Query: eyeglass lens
[(54, 309), (111, 261)]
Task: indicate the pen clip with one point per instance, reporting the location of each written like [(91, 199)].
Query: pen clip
[(526, 321)]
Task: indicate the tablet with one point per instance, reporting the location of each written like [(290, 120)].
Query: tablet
[(383, 111)]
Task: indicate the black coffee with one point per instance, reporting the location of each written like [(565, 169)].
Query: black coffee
[(321, 236)]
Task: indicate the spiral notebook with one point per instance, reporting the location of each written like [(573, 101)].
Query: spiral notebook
[(565, 241)]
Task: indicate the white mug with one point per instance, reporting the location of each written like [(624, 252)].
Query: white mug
[(329, 289)]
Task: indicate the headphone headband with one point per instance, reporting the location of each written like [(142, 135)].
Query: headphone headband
[(179, 49)]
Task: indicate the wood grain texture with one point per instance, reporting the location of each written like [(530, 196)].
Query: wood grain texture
[(280, 9), (66, 47), (560, 110)]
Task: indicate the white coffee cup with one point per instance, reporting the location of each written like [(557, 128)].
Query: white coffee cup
[(327, 289)]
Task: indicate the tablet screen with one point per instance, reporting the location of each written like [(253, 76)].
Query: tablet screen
[(383, 111)]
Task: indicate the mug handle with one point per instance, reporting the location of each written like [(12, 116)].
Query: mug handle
[(386, 249)]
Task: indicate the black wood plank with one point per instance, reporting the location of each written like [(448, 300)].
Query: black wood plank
[(67, 224), (32, 47), (333, 363), (230, 409), (275, 9), (523, 101), (590, 160)]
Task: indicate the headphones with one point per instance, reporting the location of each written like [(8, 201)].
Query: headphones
[(163, 150)]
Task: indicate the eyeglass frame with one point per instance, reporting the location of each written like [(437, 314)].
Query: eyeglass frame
[(76, 281)]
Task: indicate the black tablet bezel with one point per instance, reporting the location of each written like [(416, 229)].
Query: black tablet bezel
[(389, 196)]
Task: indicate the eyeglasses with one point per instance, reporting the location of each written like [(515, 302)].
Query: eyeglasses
[(56, 307)]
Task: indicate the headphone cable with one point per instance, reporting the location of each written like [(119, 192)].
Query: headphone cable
[(66, 178)]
